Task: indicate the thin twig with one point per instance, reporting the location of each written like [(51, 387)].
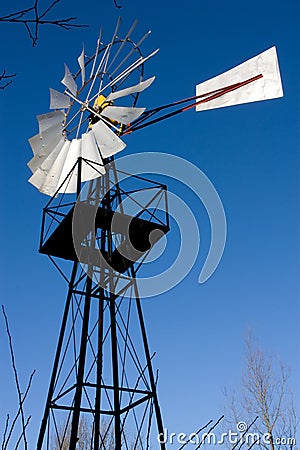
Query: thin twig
[(209, 431), (117, 5), (244, 434), (5, 431), (7, 78), (197, 432), (18, 412), (20, 437), (16, 378)]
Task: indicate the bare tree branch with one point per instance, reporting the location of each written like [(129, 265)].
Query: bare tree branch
[(16, 377), (197, 432), (21, 397), (117, 5), (20, 437), (264, 393), (5, 431), (6, 80), (18, 412), (32, 18), (209, 431)]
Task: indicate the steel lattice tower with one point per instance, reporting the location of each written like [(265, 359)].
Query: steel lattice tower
[(102, 381)]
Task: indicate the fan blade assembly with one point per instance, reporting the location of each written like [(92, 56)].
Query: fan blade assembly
[(55, 153), (55, 156)]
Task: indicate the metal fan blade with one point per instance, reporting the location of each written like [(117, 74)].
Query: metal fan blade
[(69, 183), (47, 179), (122, 114), (41, 157), (81, 65), (45, 142), (38, 178), (58, 100), (49, 119), (123, 43), (108, 142), (49, 161), (69, 81), (130, 53), (96, 53), (90, 151), (123, 75), (267, 87), (51, 182), (131, 90), (40, 165)]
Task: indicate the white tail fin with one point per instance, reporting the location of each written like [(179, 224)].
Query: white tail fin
[(254, 80)]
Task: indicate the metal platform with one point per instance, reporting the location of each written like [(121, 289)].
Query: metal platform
[(133, 233)]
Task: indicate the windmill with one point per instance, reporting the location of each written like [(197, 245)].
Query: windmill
[(103, 366)]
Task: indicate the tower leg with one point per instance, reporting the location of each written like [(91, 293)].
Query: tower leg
[(81, 366), (149, 363), (102, 378), (56, 360), (114, 356), (99, 372), (151, 376)]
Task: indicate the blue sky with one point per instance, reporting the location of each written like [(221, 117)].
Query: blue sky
[(249, 152)]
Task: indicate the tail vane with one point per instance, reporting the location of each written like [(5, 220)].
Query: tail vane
[(254, 80)]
